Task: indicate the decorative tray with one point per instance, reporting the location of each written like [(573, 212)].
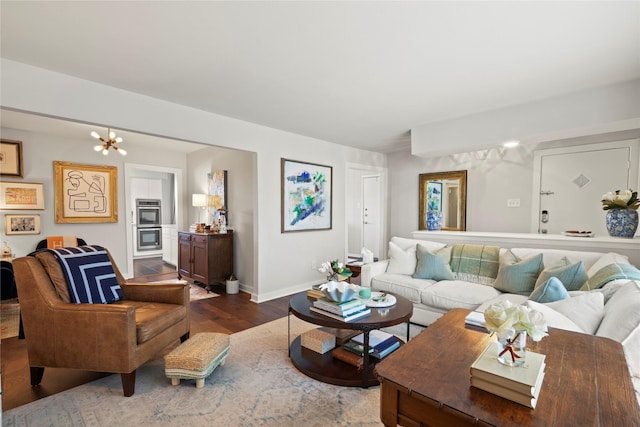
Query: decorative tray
[(380, 299), (575, 233)]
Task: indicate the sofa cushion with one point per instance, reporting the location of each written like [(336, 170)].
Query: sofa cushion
[(519, 278), (572, 276), (554, 318), (621, 322), (152, 318), (404, 243), (432, 266), (401, 284), (448, 294), (401, 261), (512, 298), (550, 291), (554, 256), (585, 310), (475, 263), (606, 259), (609, 273)]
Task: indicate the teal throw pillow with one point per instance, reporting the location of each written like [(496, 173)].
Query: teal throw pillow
[(572, 276), (431, 266), (519, 278), (552, 290)]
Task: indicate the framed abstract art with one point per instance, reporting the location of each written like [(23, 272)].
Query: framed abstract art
[(306, 193)]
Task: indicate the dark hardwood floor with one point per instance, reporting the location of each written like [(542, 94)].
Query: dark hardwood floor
[(227, 313)]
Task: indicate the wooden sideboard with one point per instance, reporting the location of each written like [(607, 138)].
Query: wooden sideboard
[(205, 258)]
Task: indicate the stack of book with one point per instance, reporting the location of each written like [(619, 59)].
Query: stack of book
[(519, 384), (381, 344), (345, 311), (315, 292)]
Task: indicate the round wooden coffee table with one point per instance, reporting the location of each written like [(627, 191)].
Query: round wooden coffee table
[(323, 367)]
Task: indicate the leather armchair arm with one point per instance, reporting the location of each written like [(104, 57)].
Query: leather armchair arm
[(169, 293)]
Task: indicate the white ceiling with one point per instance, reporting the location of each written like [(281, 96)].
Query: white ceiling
[(356, 73)]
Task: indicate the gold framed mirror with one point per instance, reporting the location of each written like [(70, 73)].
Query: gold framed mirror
[(443, 193)]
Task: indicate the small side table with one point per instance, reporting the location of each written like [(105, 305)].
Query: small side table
[(356, 269)]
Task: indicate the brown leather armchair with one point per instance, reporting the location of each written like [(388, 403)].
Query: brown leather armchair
[(117, 337)]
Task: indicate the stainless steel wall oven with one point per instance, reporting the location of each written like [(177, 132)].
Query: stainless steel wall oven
[(148, 223)]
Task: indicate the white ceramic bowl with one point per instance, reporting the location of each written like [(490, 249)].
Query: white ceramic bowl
[(340, 291)]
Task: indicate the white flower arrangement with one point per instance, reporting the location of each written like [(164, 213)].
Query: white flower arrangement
[(620, 199), (506, 320), (333, 269)]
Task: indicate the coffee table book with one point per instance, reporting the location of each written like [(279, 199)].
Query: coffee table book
[(348, 357), (354, 316), (342, 309), (523, 379), (498, 390)]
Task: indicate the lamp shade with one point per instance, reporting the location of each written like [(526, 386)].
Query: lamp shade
[(199, 200)]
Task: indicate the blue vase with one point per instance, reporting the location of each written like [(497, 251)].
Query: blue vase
[(434, 220), (622, 222)]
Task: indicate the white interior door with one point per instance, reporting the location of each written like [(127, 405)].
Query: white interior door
[(572, 185), (371, 226)]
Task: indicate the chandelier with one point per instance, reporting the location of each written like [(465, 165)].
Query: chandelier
[(108, 143)]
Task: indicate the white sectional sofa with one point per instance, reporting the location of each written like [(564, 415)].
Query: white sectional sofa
[(610, 310)]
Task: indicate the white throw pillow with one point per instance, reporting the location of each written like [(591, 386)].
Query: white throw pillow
[(606, 259), (404, 243), (585, 310), (401, 261), (553, 318)]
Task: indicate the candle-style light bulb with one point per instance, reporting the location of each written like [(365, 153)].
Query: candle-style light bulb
[(95, 135)]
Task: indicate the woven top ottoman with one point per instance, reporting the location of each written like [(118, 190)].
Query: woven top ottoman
[(197, 357)]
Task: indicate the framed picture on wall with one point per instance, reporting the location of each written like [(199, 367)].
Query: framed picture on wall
[(306, 194), (85, 193), (21, 224), (11, 158), (21, 195)]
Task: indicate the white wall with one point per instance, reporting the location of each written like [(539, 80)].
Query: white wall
[(283, 260), (592, 111), (241, 194), (493, 176), (39, 153)]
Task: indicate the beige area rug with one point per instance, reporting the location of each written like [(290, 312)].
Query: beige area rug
[(257, 386), (9, 320), (198, 293)]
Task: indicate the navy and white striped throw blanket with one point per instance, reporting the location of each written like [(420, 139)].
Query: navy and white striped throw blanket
[(89, 274)]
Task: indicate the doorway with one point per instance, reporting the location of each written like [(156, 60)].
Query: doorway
[(569, 183), (366, 195), (171, 183), (371, 214)]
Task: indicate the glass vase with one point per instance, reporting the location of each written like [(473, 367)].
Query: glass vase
[(512, 350)]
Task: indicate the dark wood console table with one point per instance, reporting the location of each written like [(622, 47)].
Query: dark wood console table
[(427, 381), (206, 258)]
